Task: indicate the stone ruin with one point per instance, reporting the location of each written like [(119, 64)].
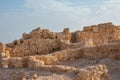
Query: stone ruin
[(42, 49)]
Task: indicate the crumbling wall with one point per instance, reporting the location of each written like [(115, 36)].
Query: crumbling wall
[(96, 52), (65, 45), (4, 55), (47, 34), (111, 50), (98, 34), (35, 47), (39, 42), (98, 72), (43, 41)]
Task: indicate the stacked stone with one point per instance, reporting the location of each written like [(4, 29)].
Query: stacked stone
[(39, 33), (64, 45), (38, 42), (16, 62), (60, 56), (100, 34), (35, 47), (102, 51), (67, 34), (33, 63), (4, 56), (96, 52), (98, 72)]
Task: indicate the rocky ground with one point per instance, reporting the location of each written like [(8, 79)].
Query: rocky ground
[(31, 74)]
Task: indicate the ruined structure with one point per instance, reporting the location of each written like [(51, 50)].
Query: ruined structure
[(42, 49)]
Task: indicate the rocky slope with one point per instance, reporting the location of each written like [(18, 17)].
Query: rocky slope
[(90, 54)]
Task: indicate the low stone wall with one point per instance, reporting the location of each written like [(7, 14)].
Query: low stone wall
[(98, 72), (96, 52), (102, 51)]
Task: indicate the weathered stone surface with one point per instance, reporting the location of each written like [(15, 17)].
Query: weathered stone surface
[(16, 62), (4, 55), (65, 45), (100, 34), (67, 33), (39, 41), (34, 63), (96, 52), (25, 36), (35, 47), (98, 72), (4, 63), (43, 41)]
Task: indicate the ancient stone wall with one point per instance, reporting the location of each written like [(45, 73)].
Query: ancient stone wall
[(98, 72), (96, 52), (4, 55), (35, 47), (39, 42), (98, 34), (43, 41)]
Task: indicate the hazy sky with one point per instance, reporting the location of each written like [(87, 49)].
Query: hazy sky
[(18, 16)]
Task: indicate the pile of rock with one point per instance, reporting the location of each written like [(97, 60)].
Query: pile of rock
[(98, 72)]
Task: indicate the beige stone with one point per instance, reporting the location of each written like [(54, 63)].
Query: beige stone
[(16, 62), (92, 74)]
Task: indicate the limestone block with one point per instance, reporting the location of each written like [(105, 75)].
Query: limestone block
[(2, 47), (98, 72), (52, 35), (67, 34), (95, 29), (4, 63), (4, 55), (34, 63), (82, 75), (45, 33), (16, 62), (89, 43), (25, 36)]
